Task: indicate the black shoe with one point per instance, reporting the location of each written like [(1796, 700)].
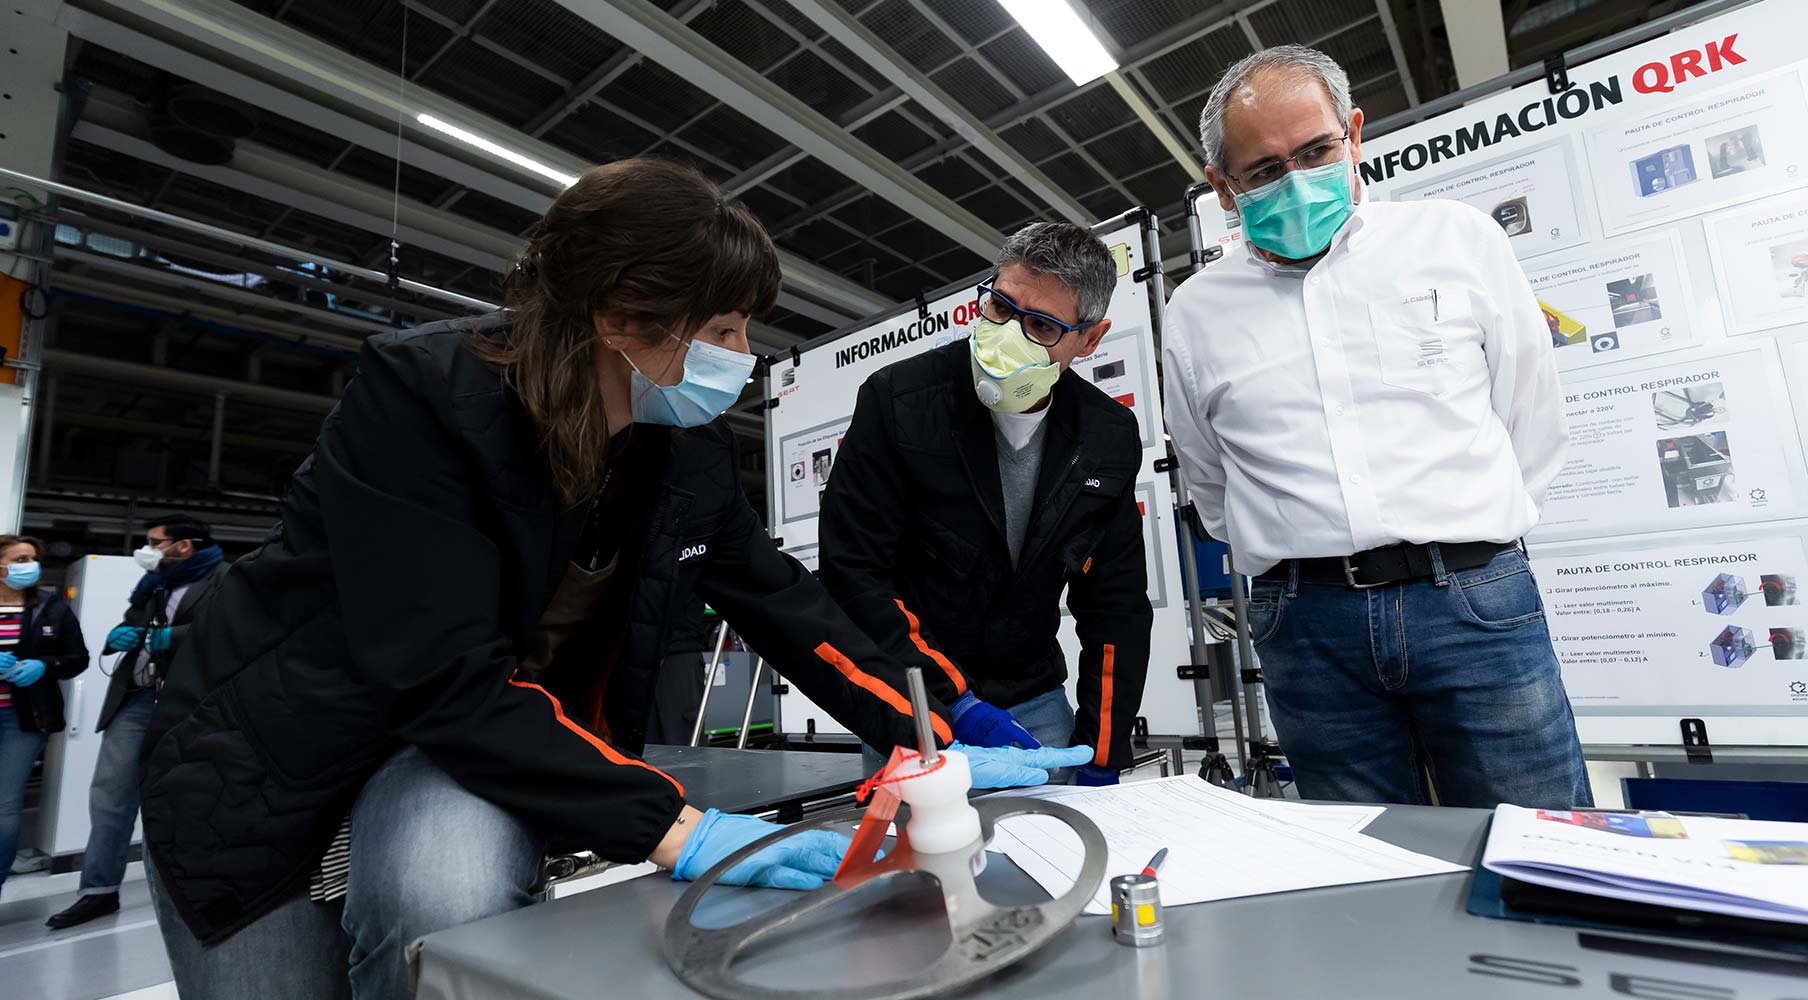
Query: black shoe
[(86, 908)]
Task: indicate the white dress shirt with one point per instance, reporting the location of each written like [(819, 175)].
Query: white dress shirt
[(1400, 389)]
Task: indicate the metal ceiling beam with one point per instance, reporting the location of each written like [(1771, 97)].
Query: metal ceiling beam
[(664, 39), (270, 65), (865, 44), (183, 381), (174, 248), (257, 306), (1386, 9), (101, 422), (179, 305), (286, 181), (239, 239), (1176, 148)]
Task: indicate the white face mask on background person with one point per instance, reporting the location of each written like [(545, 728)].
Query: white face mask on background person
[(148, 557)]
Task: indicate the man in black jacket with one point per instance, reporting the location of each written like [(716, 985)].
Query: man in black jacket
[(181, 564), (979, 480)]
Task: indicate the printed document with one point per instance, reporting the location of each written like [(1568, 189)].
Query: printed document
[(1746, 868), (1221, 845)]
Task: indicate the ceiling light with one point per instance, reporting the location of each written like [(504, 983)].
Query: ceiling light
[(560, 177), (1065, 35)]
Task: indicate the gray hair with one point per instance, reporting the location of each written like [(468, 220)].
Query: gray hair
[(1070, 254), (1298, 59)]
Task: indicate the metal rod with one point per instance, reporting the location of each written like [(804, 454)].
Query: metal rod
[(243, 241), (709, 682), (219, 437), (753, 693), (1246, 651), (919, 710)]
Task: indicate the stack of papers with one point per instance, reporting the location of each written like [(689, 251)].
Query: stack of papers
[(1221, 845), (1745, 868)]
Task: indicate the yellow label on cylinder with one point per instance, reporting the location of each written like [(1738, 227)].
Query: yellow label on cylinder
[(1145, 915), (1114, 913)]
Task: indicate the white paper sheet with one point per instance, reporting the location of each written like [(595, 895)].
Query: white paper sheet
[(1221, 845), (1746, 868)]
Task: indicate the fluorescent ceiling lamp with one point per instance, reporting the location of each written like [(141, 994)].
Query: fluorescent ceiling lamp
[(500, 152), (1065, 36)]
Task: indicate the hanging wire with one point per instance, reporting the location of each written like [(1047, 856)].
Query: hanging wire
[(395, 209)]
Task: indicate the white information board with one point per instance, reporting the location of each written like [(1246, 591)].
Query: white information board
[(816, 394), (1659, 207)]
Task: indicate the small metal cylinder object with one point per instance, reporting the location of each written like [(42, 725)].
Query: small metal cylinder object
[(1136, 910), (919, 702)]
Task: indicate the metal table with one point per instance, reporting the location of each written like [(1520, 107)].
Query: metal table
[(758, 781), (1402, 940)]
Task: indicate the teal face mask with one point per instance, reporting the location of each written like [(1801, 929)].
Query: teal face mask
[(1296, 216)]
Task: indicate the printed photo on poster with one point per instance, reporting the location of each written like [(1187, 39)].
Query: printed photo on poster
[(1532, 195), (1615, 300), (1760, 255), (1117, 368), (808, 458), (1670, 447), (1684, 623), (1725, 146)]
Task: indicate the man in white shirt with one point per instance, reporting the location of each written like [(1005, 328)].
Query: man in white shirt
[(1365, 405)]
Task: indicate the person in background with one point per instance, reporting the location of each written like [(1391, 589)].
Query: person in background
[(40, 644), (678, 688), (181, 564), (1365, 405), (443, 657), (980, 480)]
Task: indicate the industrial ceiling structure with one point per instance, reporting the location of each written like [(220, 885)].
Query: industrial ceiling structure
[(887, 144)]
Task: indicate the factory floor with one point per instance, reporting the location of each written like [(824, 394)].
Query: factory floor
[(118, 956)]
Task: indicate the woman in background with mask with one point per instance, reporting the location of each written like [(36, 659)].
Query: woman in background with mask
[(444, 655), (40, 644)]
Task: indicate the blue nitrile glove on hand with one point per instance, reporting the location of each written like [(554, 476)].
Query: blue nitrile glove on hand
[(124, 637), (160, 640), (803, 861), (1008, 767), (23, 673), (1092, 774), (983, 724), (7, 661)]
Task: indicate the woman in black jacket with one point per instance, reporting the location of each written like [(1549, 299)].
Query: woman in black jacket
[(40, 644), (443, 655)]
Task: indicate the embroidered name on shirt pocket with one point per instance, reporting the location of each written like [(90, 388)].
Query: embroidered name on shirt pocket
[(1421, 340)]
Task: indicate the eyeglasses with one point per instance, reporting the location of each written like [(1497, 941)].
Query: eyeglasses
[(1319, 154), (1040, 328)]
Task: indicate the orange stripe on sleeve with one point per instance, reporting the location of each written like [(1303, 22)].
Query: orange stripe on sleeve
[(879, 689), (916, 636), (614, 756), (1103, 753)]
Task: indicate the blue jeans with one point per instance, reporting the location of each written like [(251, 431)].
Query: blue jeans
[(1452, 678), (113, 794), (18, 751), (1048, 717), (426, 855)]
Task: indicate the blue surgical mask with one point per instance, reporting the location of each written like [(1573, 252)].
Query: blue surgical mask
[(1297, 215), (713, 380), (22, 576)]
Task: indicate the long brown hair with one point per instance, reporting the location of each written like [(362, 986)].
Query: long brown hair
[(643, 240)]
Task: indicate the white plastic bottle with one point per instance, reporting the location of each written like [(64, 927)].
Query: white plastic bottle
[(941, 819)]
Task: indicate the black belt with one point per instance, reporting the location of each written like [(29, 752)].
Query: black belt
[(1393, 564)]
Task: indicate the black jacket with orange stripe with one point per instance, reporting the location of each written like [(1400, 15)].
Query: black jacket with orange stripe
[(418, 547), (913, 545)]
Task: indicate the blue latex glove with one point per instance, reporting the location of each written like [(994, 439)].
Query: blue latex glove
[(7, 660), (1007, 767), (983, 724), (1092, 774), (124, 637), (160, 640), (804, 861), (23, 673)]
